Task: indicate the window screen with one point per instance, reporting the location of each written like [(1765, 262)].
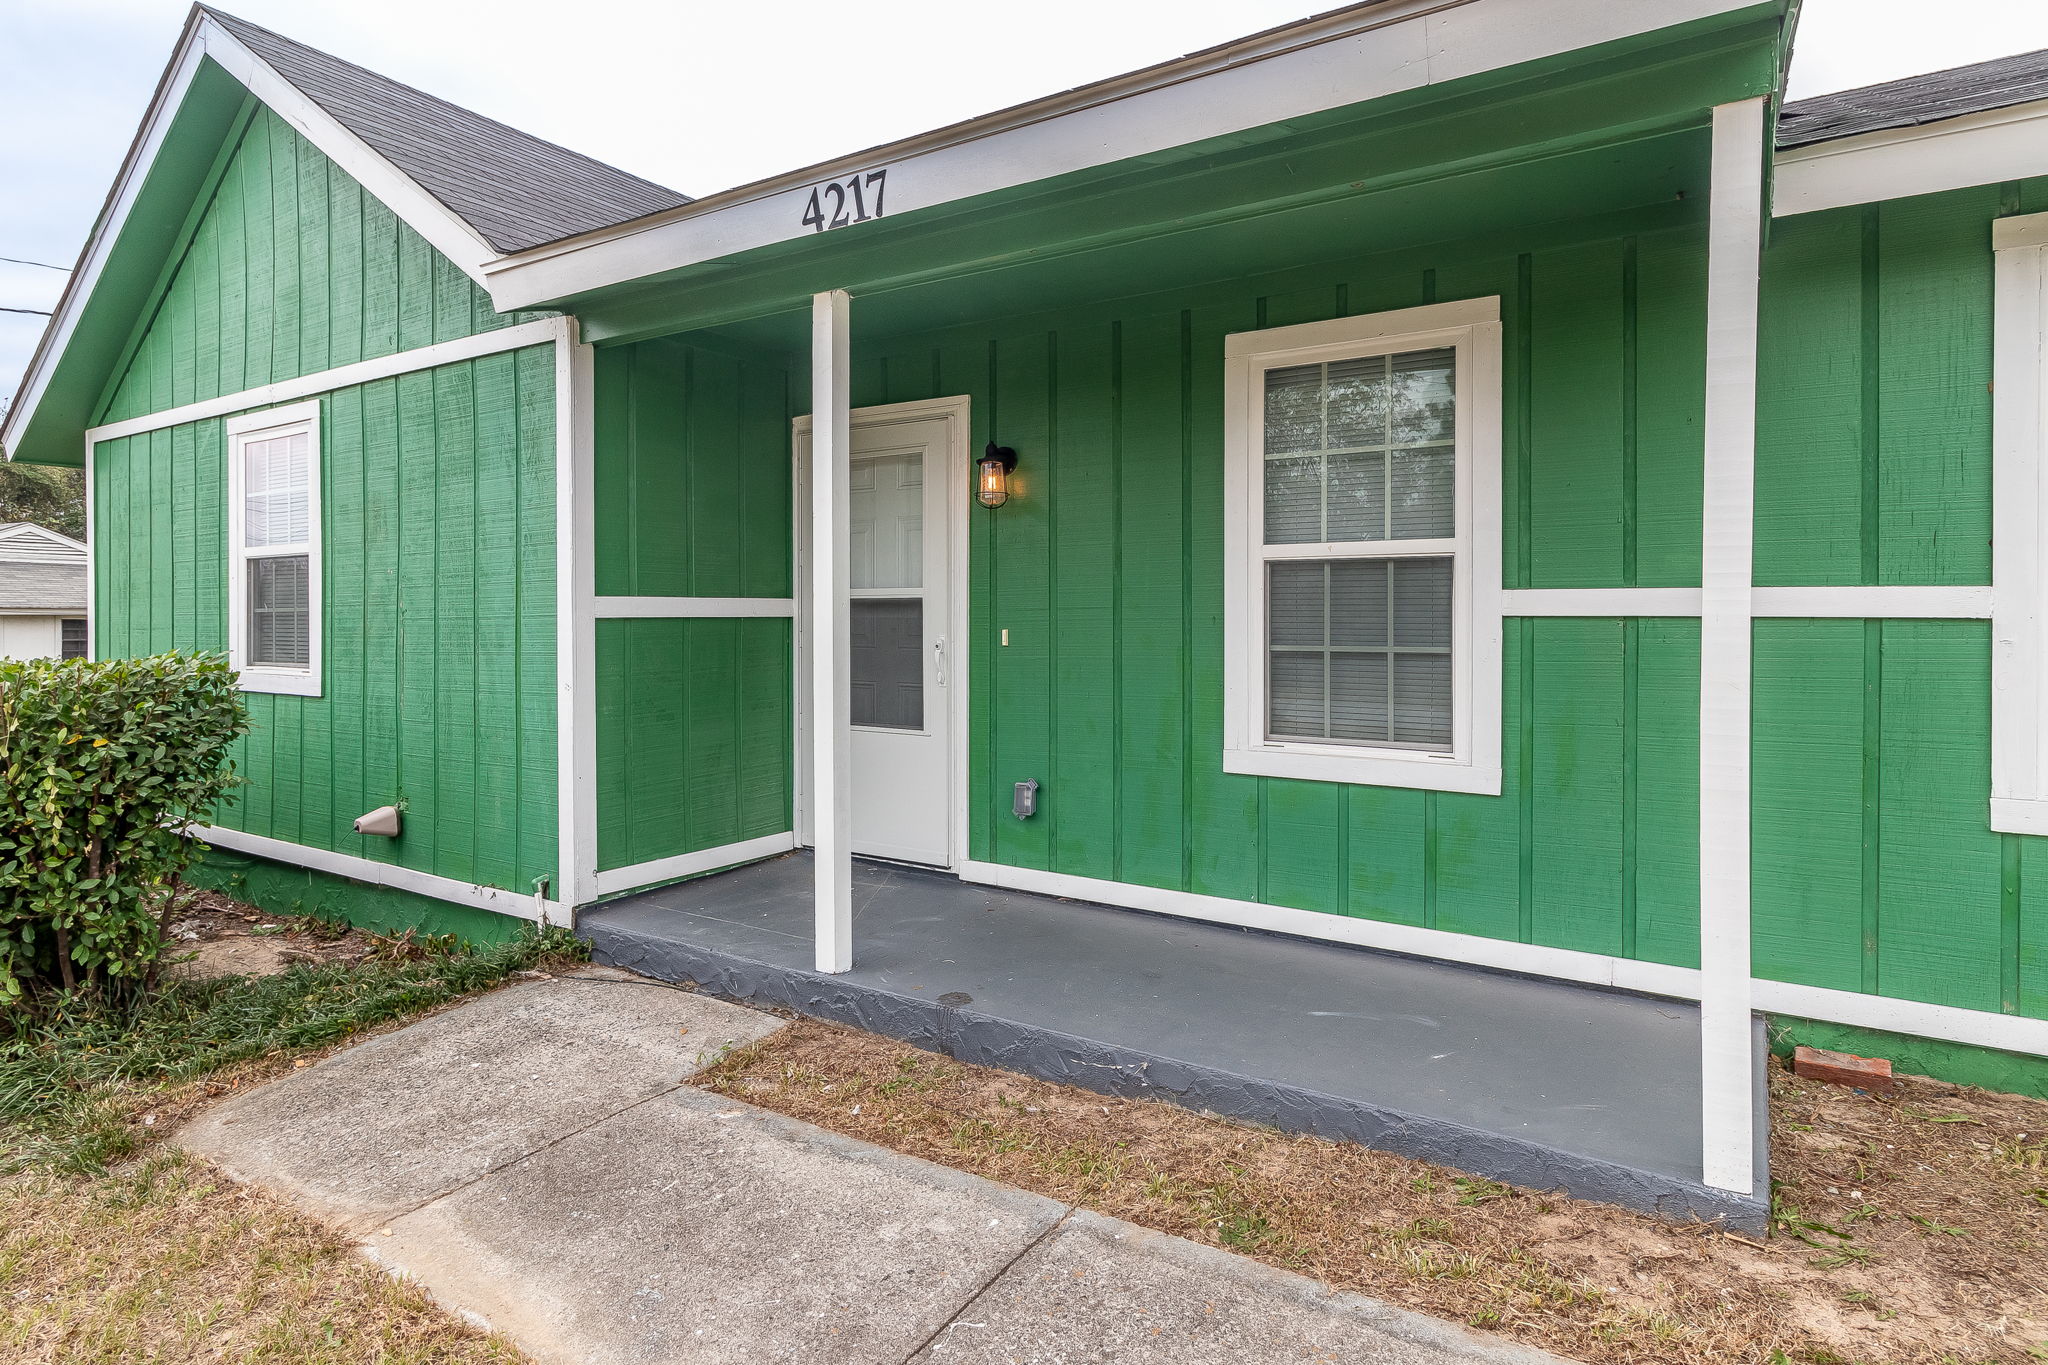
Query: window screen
[(72, 645)]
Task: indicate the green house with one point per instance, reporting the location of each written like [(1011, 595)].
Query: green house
[(1480, 482)]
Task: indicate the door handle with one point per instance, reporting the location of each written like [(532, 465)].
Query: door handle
[(939, 660)]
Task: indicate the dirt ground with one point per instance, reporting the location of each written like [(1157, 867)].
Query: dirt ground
[(1908, 1229), (213, 935)]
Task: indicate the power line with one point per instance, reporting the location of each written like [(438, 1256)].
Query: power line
[(39, 312), (16, 260)]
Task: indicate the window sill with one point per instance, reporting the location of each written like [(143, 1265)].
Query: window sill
[(279, 682), (1365, 770), (2019, 815)]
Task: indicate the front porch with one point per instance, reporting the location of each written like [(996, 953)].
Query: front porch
[(1542, 1084)]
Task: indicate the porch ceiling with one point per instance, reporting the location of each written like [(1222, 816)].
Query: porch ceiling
[(1613, 132)]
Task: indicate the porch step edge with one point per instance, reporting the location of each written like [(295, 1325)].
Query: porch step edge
[(989, 1040)]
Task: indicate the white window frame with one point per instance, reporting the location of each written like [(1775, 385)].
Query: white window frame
[(2019, 516), (262, 426), (1471, 327)]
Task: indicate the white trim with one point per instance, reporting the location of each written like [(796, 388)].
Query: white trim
[(426, 215), (1472, 328), (1893, 163), (92, 578), (1734, 260), (957, 413), (691, 608), (2019, 518), (1347, 57), (341, 377), (1926, 603), (830, 665), (299, 418), (1978, 1028), (612, 881), (29, 530), (575, 622), (1601, 602), (492, 898)]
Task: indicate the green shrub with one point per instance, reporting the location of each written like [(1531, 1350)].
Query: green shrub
[(104, 765)]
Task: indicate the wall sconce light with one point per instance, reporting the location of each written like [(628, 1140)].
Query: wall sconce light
[(992, 484)]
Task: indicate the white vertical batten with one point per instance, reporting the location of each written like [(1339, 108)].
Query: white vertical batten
[(92, 566), (831, 689), (1734, 253), (2019, 514), (575, 626)]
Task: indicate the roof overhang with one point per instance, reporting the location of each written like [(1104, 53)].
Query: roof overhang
[(1333, 61), (208, 82), (1950, 154)]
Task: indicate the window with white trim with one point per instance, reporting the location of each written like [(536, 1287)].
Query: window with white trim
[(1362, 577), (274, 549), (2019, 519)]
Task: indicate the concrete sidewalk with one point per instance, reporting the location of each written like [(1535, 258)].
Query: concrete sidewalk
[(535, 1158)]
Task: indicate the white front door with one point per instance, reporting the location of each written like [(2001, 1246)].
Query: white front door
[(899, 514)]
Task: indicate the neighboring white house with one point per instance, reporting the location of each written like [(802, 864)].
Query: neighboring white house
[(42, 593)]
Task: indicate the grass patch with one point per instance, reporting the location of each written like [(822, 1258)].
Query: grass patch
[(168, 1262), (77, 1081), (1912, 1232)]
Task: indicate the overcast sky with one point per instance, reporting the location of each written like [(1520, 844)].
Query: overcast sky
[(701, 96)]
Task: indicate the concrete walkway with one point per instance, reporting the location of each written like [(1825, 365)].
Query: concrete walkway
[(536, 1160)]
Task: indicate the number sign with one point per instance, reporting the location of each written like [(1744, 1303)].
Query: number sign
[(842, 203)]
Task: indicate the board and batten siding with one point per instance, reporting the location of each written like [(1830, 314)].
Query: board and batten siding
[(437, 499), (291, 268), (692, 492), (1876, 869), (1106, 570)]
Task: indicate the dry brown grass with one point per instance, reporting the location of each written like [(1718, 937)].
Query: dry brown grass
[(1911, 1230), (166, 1262)]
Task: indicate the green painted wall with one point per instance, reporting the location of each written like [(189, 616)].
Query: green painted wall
[(693, 500), (1106, 570), (285, 890), (1875, 867), (437, 495), (290, 268)]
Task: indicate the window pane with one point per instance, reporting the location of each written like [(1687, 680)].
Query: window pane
[(886, 658), (72, 645), (885, 521), (1422, 700), (280, 625), (1420, 503), (276, 505), (1362, 449), (1359, 651), (1424, 406)]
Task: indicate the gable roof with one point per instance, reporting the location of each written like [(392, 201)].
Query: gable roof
[(472, 187), (514, 189), (58, 589), (1916, 100), (28, 540)]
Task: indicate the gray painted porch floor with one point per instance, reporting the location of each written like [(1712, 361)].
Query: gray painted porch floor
[(1544, 1084)]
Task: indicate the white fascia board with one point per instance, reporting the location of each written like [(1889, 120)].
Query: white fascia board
[(156, 123), (1971, 149), (1357, 54), (399, 192), (203, 38)]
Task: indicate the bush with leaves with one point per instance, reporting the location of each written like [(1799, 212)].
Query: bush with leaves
[(104, 764)]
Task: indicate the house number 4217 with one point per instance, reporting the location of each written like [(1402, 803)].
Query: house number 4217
[(841, 203)]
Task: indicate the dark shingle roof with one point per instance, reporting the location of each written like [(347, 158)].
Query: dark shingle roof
[(515, 190), (55, 588), (1916, 100)]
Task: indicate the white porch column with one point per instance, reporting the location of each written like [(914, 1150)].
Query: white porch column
[(831, 822), (1734, 254)]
